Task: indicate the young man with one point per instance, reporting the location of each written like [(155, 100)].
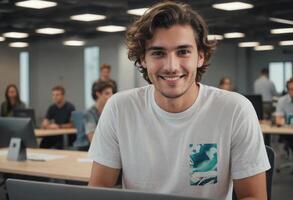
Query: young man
[(176, 135), (105, 75), (101, 92), (266, 88), (57, 117)]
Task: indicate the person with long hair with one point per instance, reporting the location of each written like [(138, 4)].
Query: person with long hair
[(12, 101)]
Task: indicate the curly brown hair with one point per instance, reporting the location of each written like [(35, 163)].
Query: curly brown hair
[(165, 15)]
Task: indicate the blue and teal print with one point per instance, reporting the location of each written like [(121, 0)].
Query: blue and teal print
[(203, 164)]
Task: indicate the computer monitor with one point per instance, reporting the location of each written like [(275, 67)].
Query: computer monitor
[(33, 190), (256, 101), (17, 127), (25, 113)]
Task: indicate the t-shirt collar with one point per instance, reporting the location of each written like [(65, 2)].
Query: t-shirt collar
[(185, 114)]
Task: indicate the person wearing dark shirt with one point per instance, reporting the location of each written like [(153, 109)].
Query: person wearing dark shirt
[(105, 73), (57, 117), (12, 101)]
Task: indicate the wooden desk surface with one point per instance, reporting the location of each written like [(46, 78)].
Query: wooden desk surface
[(68, 168), (52, 132), (268, 129)]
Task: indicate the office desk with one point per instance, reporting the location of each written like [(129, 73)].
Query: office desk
[(267, 129), (67, 168), (53, 132)]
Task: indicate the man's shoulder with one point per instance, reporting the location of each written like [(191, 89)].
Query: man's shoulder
[(136, 96), (69, 105), (284, 99), (224, 94), (224, 97)]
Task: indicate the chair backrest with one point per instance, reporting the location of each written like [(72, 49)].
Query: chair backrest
[(77, 120), (269, 173)]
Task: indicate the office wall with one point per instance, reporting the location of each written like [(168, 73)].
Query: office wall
[(9, 68)]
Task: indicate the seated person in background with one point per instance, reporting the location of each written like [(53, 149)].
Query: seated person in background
[(105, 75), (57, 117), (101, 92), (226, 84), (284, 112), (176, 135), (12, 101)]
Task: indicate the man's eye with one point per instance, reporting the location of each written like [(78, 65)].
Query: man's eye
[(157, 53), (184, 52)]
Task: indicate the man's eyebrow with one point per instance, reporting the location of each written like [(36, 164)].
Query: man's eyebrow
[(186, 46), (155, 48)]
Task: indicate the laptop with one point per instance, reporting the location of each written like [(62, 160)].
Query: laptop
[(33, 190), (26, 113)]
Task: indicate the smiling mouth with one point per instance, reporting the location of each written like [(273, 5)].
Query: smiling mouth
[(172, 78)]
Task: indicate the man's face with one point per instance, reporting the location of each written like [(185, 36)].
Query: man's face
[(105, 74), (57, 97), (172, 59), (105, 95), (290, 89)]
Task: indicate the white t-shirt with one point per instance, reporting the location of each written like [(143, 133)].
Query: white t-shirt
[(193, 153)]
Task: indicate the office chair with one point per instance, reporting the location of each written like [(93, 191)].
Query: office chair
[(269, 173), (81, 142)]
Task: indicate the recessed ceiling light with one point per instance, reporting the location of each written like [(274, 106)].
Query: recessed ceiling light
[(137, 11), (286, 43), (18, 44), (279, 20), (111, 28), (234, 35), (232, 6), (87, 17), (50, 31), (248, 44), (215, 37), (2, 39), (74, 42), (15, 35), (36, 4), (264, 48), (281, 30)]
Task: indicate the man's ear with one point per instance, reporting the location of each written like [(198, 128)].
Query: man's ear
[(200, 59), (143, 62)]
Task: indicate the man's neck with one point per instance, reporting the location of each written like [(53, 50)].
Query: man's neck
[(60, 104), (179, 104)]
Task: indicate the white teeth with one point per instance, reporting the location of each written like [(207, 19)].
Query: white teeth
[(172, 78)]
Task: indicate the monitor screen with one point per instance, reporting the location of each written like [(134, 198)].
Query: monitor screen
[(256, 101), (25, 113), (19, 128)]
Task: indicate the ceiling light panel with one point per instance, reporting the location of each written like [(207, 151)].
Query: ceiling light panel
[(232, 6), (36, 4), (87, 17)]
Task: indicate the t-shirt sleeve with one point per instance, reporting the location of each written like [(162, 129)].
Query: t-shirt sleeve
[(279, 109), (248, 153), (104, 147)]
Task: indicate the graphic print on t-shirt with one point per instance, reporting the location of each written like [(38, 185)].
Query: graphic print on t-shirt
[(203, 164)]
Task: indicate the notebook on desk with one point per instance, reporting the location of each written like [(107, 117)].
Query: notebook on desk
[(33, 190)]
